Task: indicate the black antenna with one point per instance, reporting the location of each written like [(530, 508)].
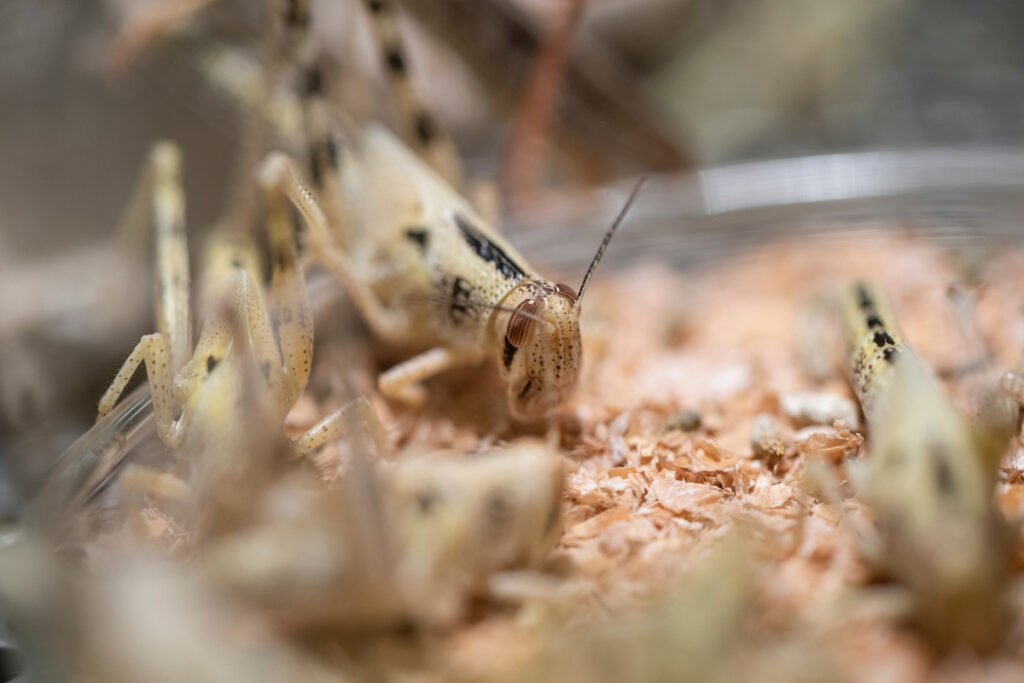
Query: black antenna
[(608, 236)]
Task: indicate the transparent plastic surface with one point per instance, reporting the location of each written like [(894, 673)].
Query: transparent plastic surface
[(80, 485), (967, 196)]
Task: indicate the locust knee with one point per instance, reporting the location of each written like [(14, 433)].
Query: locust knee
[(151, 349), (278, 174), (357, 412), (402, 382)]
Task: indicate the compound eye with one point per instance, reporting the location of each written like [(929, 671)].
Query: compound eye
[(519, 325), (566, 291)]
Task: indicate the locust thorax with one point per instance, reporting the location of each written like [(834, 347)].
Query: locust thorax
[(537, 339)]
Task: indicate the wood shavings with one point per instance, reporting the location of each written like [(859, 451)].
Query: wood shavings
[(594, 526), (659, 449), (832, 445), (683, 497)]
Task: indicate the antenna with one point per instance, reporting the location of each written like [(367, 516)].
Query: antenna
[(469, 303), (608, 236)]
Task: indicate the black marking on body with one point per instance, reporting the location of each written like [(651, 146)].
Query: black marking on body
[(426, 129), (294, 14), (211, 363), (497, 509), (488, 250), (510, 353), (526, 388), (943, 475), (418, 235), (883, 338), (322, 156), (460, 293), (316, 173), (864, 298), (426, 500), (282, 260), (236, 262), (331, 151), (314, 83), (890, 353), (394, 59), (874, 321), (376, 6)]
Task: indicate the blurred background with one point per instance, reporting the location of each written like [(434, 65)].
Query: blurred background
[(663, 87)]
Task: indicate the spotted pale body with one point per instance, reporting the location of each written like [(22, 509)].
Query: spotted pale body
[(424, 267), (929, 483)]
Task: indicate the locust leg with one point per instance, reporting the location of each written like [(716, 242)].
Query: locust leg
[(158, 197), (289, 298), (166, 352), (402, 382), (417, 126), (359, 411), (172, 304), (152, 349), (279, 172)]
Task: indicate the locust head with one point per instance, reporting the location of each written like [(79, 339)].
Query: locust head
[(537, 337), (539, 352)]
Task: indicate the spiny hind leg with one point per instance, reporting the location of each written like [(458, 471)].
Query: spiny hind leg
[(151, 349), (357, 412), (279, 172), (173, 316), (417, 126), (169, 349), (158, 200), (288, 295), (402, 382)]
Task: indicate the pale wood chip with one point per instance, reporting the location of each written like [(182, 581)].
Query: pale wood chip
[(598, 523), (832, 446), (683, 496), (769, 495)]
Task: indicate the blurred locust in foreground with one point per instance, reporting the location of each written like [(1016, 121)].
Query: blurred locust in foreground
[(929, 480), (199, 395)]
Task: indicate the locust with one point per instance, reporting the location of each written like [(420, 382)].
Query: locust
[(409, 541), (427, 272), (201, 394), (414, 539), (929, 480)]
